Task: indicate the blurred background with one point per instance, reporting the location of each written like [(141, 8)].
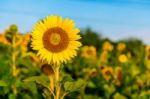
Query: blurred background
[(113, 63)]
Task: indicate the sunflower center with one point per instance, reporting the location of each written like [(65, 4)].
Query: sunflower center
[(55, 39), (89, 52)]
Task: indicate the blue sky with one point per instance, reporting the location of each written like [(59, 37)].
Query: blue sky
[(115, 19)]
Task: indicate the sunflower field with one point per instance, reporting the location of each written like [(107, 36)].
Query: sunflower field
[(99, 69)]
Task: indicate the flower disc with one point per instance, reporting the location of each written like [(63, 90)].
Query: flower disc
[(55, 40)]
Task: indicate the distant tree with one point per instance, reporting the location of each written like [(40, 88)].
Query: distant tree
[(90, 37), (136, 47)]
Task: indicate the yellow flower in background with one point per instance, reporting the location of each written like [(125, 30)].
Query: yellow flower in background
[(147, 49), (93, 72), (147, 57), (19, 39), (129, 55), (147, 75), (26, 40), (22, 41), (118, 75), (107, 46), (147, 63), (123, 58), (107, 72), (134, 70), (140, 82), (55, 39), (34, 58), (90, 71), (3, 39), (103, 57), (121, 47), (88, 52), (27, 37)]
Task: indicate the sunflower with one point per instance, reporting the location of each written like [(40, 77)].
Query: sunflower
[(107, 73), (129, 55), (121, 47), (103, 57), (140, 82), (88, 52), (147, 48), (22, 41), (122, 58), (55, 39), (147, 57), (3, 39), (134, 71), (118, 76), (107, 46)]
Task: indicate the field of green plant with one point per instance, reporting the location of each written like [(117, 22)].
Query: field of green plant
[(102, 69)]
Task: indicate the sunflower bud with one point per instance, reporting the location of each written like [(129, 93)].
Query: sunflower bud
[(11, 32), (13, 28), (47, 69)]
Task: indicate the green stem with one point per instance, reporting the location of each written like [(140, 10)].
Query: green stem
[(64, 95), (82, 91), (13, 56), (51, 86), (57, 84), (14, 62)]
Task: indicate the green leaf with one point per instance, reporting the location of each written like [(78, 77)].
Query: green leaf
[(65, 78), (119, 96), (30, 86), (26, 96), (2, 83), (42, 79), (92, 97), (12, 96), (73, 86), (91, 84)]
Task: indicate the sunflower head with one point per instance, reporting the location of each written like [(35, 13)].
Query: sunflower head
[(107, 73), (140, 82), (47, 69), (103, 57), (147, 49), (3, 39), (107, 46), (118, 75), (55, 39), (121, 47), (122, 58), (88, 52)]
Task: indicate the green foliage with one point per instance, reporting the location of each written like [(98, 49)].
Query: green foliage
[(3, 83), (42, 80), (73, 86), (90, 37)]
